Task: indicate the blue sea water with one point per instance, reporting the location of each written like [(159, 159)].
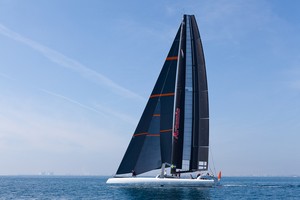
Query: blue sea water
[(70, 187)]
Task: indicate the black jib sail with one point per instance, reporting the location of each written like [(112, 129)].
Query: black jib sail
[(174, 129)]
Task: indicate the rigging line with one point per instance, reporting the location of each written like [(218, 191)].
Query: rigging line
[(212, 160)]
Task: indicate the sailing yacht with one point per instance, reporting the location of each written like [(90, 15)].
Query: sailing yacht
[(173, 132)]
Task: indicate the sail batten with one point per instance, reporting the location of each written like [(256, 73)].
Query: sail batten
[(174, 125)]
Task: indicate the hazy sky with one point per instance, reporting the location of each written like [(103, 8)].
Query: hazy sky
[(75, 77)]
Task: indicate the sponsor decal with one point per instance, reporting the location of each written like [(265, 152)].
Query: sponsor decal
[(176, 127)]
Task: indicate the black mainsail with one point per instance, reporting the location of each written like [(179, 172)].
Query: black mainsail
[(174, 127)]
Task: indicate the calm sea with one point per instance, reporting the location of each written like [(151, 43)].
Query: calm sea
[(36, 187)]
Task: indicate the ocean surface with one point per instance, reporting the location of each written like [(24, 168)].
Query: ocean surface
[(93, 187)]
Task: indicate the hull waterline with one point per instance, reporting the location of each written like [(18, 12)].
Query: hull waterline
[(163, 181)]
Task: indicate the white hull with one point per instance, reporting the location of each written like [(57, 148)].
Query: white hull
[(163, 181)]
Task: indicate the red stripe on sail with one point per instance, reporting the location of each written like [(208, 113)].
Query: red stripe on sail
[(172, 58), (162, 95)]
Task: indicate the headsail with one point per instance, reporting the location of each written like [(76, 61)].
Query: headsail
[(174, 125), (151, 144)]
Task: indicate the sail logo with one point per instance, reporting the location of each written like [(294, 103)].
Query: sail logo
[(176, 127)]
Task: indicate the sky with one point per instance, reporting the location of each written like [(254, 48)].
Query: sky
[(75, 77)]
